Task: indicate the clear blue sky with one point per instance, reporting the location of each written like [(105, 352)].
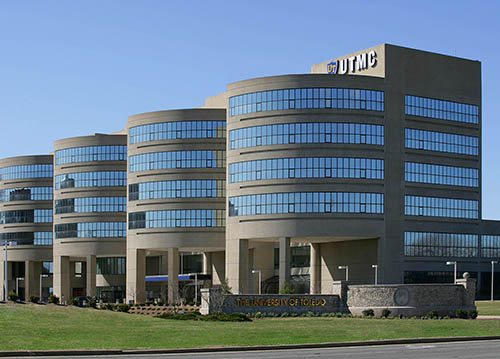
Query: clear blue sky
[(71, 68)]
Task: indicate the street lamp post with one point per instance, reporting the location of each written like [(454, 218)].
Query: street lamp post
[(260, 278), (375, 266), (454, 264), (492, 277), (346, 272)]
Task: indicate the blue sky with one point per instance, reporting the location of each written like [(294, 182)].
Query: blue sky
[(71, 68)]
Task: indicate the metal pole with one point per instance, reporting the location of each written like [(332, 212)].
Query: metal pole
[(260, 282), (195, 288), (41, 300), (17, 286), (455, 273), (6, 294), (492, 278)]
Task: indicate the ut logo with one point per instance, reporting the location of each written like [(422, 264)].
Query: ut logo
[(331, 67)]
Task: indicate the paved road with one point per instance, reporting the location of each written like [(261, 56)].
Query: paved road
[(465, 350)]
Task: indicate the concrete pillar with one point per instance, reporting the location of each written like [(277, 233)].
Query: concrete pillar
[(328, 264), (285, 262), (164, 271), (91, 272), (218, 267), (263, 260), (315, 269), (173, 275), (237, 265), (62, 273), (136, 275), (207, 263), (30, 282)]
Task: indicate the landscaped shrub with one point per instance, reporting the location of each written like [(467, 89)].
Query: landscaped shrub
[(123, 308), (385, 313), (472, 314), (368, 313), (109, 306), (53, 299), (13, 296), (462, 314), (91, 304), (258, 315), (285, 315), (433, 314), (34, 299), (74, 302), (215, 317)]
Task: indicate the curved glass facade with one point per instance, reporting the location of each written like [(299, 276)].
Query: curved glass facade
[(26, 216), (91, 204), (26, 171), (441, 142), (91, 179), (28, 238), (444, 110), (177, 218), (177, 130), (91, 153), (441, 207), (306, 202), (26, 194), (177, 159), (306, 167), (91, 230), (306, 132), (439, 174), (425, 244), (305, 98), (201, 188)]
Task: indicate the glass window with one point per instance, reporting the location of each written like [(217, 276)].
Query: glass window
[(440, 109)]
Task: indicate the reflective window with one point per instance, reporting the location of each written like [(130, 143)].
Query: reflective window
[(306, 132), (444, 110), (26, 171), (177, 159), (26, 216), (425, 244), (177, 218), (306, 167), (287, 99), (441, 142), (91, 204), (91, 230), (441, 207), (490, 246), (306, 202), (174, 130), (28, 238), (91, 153), (201, 188), (439, 174), (26, 194), (91, 179), (111, 265)]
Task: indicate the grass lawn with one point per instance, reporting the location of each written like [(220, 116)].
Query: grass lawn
[(31, 326), (486, 307)]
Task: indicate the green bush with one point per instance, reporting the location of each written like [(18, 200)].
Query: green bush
[(13, 296), (123, 308), (433, 314), (472, 314), (368, 313), (462, 314), (74, 302), (34, 299), (258, 315), (385, 313), (215, 317), (53, 299), (285, 315), (287, 289), (109, 306), (91, 304)]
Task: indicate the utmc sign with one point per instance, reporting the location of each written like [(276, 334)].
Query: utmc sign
[(352, 64)]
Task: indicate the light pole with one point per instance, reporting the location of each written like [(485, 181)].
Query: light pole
[(454, 264), (492, 277), (260, 279), (375, 266), (346, 272)]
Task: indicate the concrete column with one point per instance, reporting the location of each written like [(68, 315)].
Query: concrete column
[(2, 275), (237, 265), (218, 267), (263, 260), (173, 275), (285, 262), (91, 272), (164, 271), (328, 263), (136, 275), (315, 269), (207, 263), (62, 273), (30, 282)]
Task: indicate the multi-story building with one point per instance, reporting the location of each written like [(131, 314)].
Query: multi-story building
[(370, 163)]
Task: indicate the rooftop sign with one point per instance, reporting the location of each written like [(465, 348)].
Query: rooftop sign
[(353, 64)]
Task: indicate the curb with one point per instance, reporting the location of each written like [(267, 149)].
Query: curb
[(21, 353)]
